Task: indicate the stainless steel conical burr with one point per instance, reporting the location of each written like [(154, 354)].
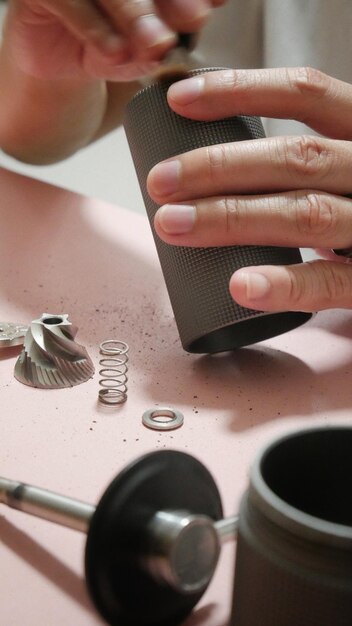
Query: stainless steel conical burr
[(51, 358)]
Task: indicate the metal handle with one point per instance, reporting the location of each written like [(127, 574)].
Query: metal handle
[(183, 549), (227, 528), (46, 504)]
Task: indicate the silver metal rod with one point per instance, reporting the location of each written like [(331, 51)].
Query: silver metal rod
[(73, 513), (46, 504), (227, 529)]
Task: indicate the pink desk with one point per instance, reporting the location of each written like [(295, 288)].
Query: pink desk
[(63, 253)]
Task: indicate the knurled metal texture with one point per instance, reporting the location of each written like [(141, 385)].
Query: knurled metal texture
[(197, 279), (270, 592)]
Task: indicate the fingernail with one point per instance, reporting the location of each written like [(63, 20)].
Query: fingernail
[(152, 30), (164, 177), (176, 219), (186, 91), (256, 285)]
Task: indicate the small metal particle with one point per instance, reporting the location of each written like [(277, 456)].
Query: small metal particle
[(12, 334), (150, 418)]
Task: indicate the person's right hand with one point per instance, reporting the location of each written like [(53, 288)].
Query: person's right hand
[(107, 39), (291, 191)]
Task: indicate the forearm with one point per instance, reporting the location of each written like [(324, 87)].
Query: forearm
[(44, 121)]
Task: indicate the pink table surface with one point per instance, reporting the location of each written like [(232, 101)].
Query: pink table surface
[(64, 253)]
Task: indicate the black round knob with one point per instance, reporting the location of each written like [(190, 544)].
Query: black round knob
[(122, 586)]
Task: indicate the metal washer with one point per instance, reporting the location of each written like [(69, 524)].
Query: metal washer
[(148, 418)]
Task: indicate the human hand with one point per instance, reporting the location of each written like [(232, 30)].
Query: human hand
[(283, 191), (107, 39)]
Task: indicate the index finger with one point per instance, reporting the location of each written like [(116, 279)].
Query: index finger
[(153, 24), (138, 22), (304, 94), (184, 15)]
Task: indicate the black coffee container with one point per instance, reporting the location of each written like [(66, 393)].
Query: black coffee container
[(197, 280)]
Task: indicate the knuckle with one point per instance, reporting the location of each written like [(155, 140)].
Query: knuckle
[(305, 156), (335, 283), (312, 85), (326, 285), (315, 214), (308, 81), (297, 287), (231, 210), (131, 9), (216, 159)]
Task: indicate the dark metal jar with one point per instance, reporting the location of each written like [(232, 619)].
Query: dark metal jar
[(197, 279), (294, 552)]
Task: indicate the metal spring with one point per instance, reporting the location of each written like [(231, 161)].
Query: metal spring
[(113, 372)]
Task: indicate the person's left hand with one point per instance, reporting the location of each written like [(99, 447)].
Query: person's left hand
[(116, 40), (283, 191)]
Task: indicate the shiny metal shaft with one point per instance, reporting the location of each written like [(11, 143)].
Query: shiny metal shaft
[(185, 549), (227, 529), (75, 514), (46, 504)]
